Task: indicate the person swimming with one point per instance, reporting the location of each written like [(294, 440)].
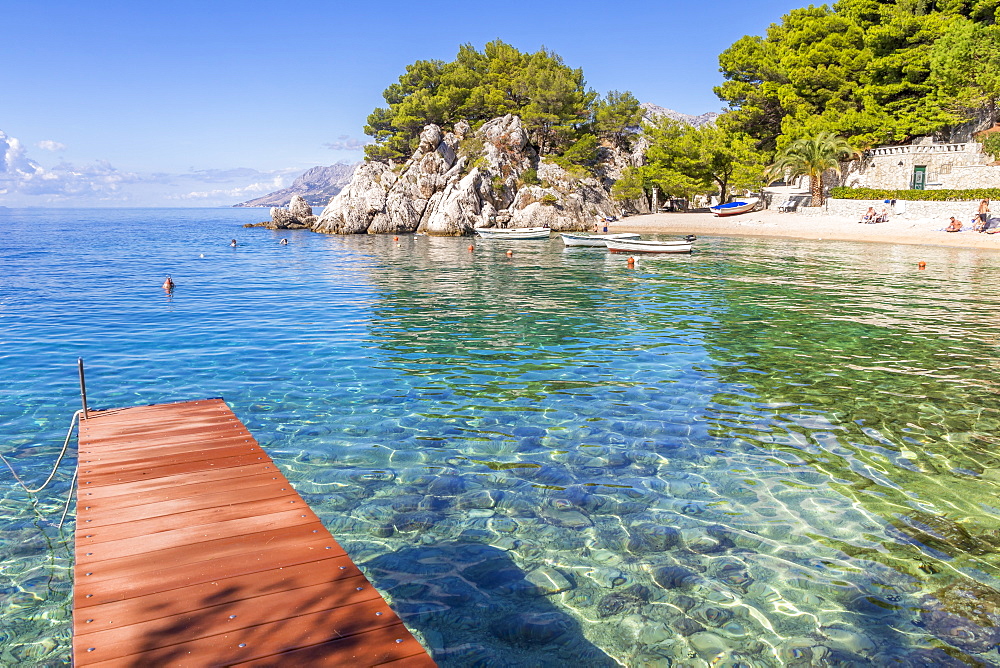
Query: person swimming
[(283, 242), (233, 243)]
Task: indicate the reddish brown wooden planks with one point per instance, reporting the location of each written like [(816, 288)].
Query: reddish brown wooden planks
[(192, 549)]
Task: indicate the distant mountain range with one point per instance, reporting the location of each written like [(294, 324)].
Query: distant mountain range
[(652, 111), (317, 186)]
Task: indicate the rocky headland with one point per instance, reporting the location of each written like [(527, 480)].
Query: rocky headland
[(461, 179)]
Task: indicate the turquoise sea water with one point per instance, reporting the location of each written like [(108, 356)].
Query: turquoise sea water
[(767, 453)]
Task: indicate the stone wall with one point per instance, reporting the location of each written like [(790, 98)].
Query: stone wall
[(856, 208), (951, 166)]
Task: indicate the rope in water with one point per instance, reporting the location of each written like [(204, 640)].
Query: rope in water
[(69, 435), (69, 497)]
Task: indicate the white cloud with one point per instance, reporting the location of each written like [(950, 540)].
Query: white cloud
[(49, 145), (259, 188), (25, 182), (345, 143)]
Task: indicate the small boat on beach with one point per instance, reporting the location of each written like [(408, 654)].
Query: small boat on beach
[(735, 207), (597, 240), (513, 232), (646, 246)]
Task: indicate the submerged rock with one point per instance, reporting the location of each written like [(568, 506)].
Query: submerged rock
[(548, 580), (627, 600), (532, 628)]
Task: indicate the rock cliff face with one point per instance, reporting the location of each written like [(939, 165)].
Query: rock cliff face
[(459, 180), (317, 186)]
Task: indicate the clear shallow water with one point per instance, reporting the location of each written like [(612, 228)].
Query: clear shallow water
[(767, 453)]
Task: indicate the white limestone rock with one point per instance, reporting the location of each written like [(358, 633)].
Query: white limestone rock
[(299, 208), (458, 210), (432, 194), (462, 128), (352, 211)]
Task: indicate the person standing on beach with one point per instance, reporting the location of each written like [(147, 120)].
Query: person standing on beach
[(984, 213)]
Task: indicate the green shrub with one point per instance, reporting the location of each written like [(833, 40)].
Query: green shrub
[(470, 147), (915, 195), (582, 152), (991, 144), (529, 177), (548, 199), (497, 183)]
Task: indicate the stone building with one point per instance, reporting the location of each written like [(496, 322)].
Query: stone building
[(924, 164)]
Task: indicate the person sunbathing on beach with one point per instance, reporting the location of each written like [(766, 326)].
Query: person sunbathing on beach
[(869, 216), (882, 217), (954, 226)]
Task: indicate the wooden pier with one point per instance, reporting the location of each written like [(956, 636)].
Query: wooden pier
[(192, 549)]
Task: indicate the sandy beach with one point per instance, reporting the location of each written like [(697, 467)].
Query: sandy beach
[(898, 230)]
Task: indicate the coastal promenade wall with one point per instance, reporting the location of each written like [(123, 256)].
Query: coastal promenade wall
[(856, 208)]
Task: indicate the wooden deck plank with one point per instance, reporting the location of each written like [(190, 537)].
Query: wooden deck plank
[(145, 606), (193, 549), (168, 447), (114, 477), (170, 484), (290, 539), (143, 576), (115, 528), (188, 620), (108, 513), (373, 648), (317, 631)]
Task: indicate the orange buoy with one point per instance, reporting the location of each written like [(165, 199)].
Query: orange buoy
[(921, 265), (395, 238), (168, 284), (631, 261), (510, 253), (471, 247)]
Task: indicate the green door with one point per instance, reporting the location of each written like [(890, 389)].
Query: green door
[(919, 174)]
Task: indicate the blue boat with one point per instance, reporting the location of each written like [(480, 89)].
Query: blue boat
[(735, 207)]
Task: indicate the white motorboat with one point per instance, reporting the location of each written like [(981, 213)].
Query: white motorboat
[(645, 246), (597, 240), (735, 207), (513, 232)]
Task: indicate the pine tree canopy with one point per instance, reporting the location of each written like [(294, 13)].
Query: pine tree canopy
[(872, 71), (551, 98)]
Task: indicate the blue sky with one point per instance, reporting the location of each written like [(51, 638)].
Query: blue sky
[(214, 102)]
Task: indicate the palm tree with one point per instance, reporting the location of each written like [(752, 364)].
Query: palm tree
[(811, 156)]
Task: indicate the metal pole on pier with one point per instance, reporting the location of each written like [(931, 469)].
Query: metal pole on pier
[(83, 387)]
